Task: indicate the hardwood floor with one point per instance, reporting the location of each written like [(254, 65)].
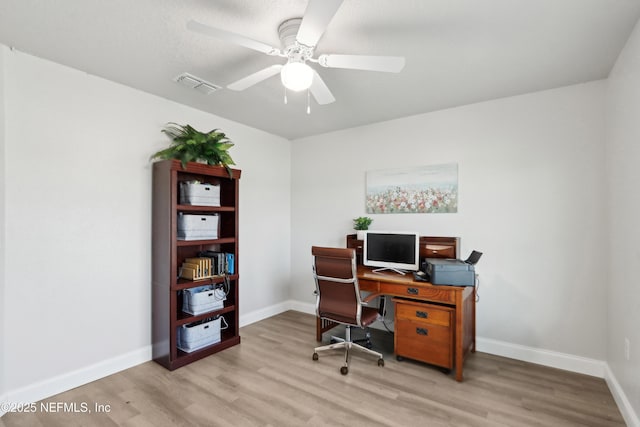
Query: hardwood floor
[(270, 380)]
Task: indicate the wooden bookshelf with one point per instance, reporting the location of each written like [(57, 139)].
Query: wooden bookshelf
[(168, 254)]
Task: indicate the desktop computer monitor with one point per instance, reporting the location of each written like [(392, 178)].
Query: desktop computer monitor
[(392, 250)]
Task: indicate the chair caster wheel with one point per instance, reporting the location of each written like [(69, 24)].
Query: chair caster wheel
[(315, 356), (344, 370), (399, 358), (380, 362)]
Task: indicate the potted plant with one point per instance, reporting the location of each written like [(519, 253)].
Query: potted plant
[(361, 224), (191, 145)]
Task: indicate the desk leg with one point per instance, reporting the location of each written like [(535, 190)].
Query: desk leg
[(473, 321), (460, 334), (465, 327), (323, 325)]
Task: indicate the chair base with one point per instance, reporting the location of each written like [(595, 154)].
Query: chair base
[(365, 342), (347, 344)]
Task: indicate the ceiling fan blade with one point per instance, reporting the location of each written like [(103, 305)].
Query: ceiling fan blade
[(315, 20), (254, 78), (232, 37), (389, 64), (320, 91)]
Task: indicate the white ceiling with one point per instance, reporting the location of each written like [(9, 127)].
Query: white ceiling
[(457, 51)]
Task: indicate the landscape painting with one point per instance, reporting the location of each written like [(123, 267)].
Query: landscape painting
[(422, 189)]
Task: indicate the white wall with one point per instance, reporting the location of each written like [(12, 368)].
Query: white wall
[(265, 220), (531, 185), (2, 224), (623, 173), (78, 222)]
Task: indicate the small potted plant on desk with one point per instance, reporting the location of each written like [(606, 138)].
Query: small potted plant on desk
[(361, 224)]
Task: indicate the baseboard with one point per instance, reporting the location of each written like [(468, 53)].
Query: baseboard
[(67, 381), (304, 307), (554, 359), (627, 411), (3, 400), (264, 313)]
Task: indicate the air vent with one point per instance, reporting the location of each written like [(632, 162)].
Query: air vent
[(196, 83)]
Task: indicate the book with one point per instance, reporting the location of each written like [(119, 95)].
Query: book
[(188, 273), (230, 263), (221, 262)]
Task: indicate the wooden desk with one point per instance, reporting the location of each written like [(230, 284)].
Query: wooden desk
[(462, 299)]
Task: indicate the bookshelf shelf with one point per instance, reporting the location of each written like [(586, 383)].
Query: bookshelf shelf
[(184, 318), (205, 242), (182, 284), (190, 208)]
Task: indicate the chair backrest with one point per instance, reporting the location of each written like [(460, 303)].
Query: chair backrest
[(338, 293)]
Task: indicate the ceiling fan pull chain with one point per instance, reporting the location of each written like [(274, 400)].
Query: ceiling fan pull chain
[(285, 95), (308, 102)]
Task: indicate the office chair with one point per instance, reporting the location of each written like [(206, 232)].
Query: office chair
[(338, 298)]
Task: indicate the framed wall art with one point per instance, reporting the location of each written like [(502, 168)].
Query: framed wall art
[(421, 189)]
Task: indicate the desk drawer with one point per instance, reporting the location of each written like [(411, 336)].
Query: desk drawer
[(439, 247), (423, 313), (424, 332), (428, 292), (424, 342), (438, 251)]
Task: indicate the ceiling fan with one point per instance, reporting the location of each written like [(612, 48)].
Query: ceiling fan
[(299, 37)]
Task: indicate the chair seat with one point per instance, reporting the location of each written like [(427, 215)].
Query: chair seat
[(368, 316)]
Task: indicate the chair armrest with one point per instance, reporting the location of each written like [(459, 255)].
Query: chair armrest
[(369, 297)]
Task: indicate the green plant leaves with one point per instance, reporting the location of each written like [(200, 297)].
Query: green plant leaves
[(362, 223), (189, 144)]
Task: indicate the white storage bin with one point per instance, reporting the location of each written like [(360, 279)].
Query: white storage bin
[(202, 299), (192, 193), (197, 227), (195, 336)]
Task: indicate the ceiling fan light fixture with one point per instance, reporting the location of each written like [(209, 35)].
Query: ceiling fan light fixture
[(296, 76)]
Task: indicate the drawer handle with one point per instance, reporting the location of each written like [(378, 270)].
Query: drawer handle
[(422, 314), (434, 252), (422, 331), (412, 291)]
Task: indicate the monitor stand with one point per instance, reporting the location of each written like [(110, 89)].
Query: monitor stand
[(377, 270)]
